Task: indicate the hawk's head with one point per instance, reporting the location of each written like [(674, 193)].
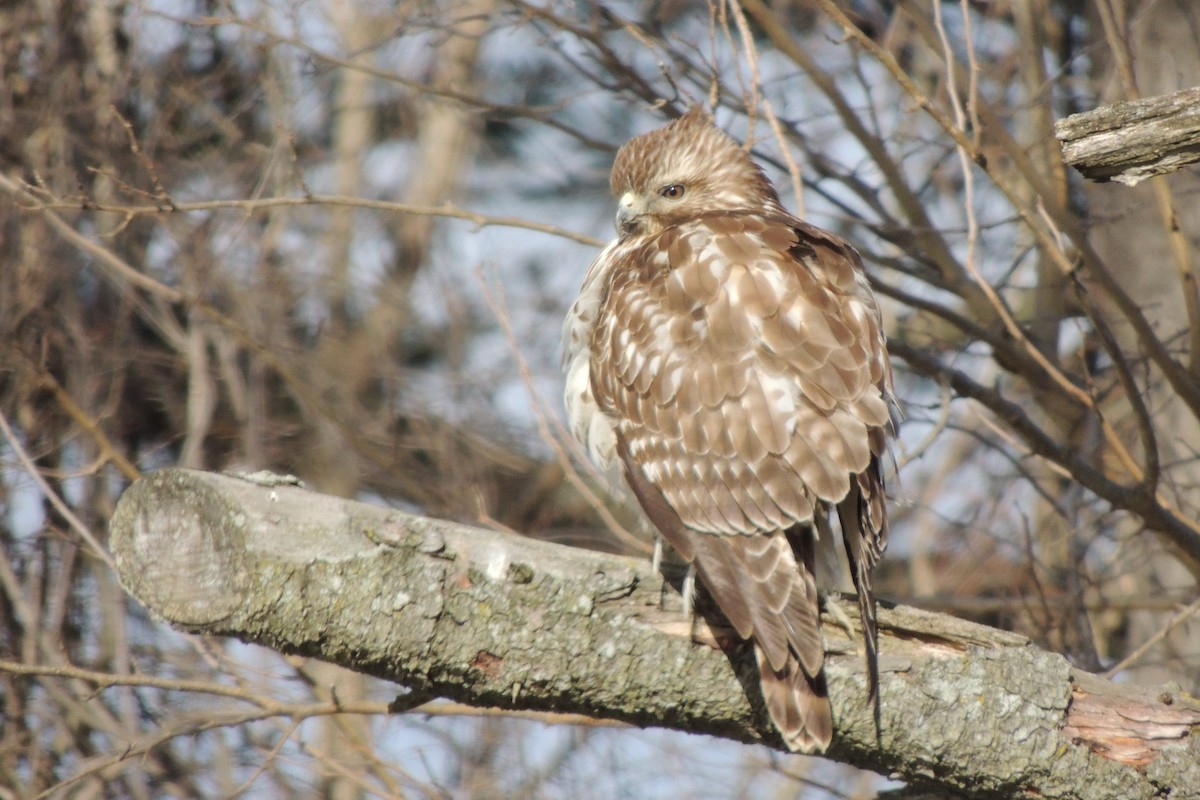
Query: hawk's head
[(684, 169)]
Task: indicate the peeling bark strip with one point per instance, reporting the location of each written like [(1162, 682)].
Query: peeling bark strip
[(1126, 723), (1133, 140), (492, 619)]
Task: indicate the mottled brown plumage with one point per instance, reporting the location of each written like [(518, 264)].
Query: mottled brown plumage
[(730, 358)]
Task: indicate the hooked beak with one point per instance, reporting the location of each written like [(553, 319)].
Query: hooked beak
[(628, 211)]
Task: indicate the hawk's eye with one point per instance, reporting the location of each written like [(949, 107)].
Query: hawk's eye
[(673, 191)]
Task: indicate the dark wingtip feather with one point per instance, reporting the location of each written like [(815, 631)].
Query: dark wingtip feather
[(864, 532)]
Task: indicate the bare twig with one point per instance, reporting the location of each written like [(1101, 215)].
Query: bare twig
[(558, 435), (52, 496), (1148, 645), (262, 204), (1179, 378), (757, 97)]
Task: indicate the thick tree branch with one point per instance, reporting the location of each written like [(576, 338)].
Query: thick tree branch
[(1133, 140), (493, 619)]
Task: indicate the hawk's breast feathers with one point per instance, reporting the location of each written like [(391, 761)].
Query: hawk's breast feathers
[(741, 362)]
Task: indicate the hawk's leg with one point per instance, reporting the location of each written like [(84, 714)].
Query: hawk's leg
[(839, 616), (689, 608), (689, 593), (664, 588), (687, 587)]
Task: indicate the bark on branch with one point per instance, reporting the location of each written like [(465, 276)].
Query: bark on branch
[(1133, 140), (492, 619)]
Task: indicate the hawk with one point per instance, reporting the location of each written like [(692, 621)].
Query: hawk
[(729, 359)]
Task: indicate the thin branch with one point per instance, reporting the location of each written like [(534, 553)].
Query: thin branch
[(1133, 394), (60, 506), (1155, 510), (1158, 636), (107, 680), (108, 451), (1117, 37), (920, 226), (207, 721), (1180, 379), (757, 98), (447, 210), (542, 114), (555, 437)]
